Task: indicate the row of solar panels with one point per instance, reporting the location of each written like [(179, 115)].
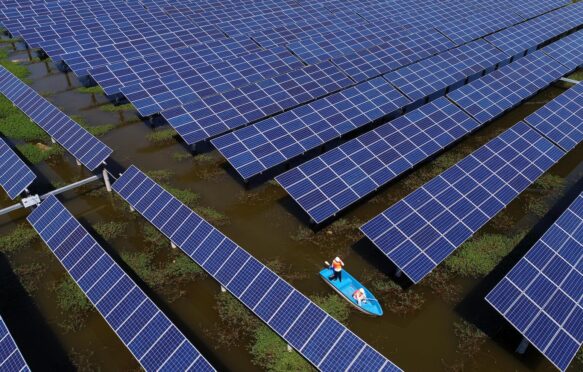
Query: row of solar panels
[(149, 335), (10, 356)]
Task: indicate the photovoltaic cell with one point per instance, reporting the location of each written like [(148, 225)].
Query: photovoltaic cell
[(79, 142), (424, 228), (567, 50), (10, 357), (300, 322), (541, 295), (501, 90), (333, 181), (273, 141), (475, 25), (561, 120), (216, 115), (15, 175), (149, 335)]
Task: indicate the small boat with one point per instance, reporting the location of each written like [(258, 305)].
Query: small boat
[(346, 288)]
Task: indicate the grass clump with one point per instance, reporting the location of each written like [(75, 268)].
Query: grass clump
[(270, 353), (14, 124), (110, 107), (334, 305), (73, 304), (550, 182), (20, 237), (18, 70), (397, 300), (99, 130), (161, 136), (161, 176), (90, 90), (212, 215), (188, 197), (153, 238), (30, 275), (110, 230), (183, 267), (470, 337), (180, 156), (38, 153), (235, 317), (478, 256)]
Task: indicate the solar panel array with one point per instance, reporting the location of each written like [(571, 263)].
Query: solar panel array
[(560, 120), (273, 141), (79, 142), (321, 339), (495, 93), (15, 175), (541, 295), (340, 177), (567, 50), (10, 357), (216, 115), (149, 335), (422, 229)]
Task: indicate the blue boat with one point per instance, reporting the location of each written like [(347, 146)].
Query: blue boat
[(348, 286)]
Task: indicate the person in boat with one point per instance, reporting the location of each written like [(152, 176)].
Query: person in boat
[(359, 296), (336, 267)]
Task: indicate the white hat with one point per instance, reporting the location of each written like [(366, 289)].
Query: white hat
[(337, 259), (361, 290)]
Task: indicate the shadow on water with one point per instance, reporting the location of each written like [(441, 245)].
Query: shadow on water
[(39, 345), (477, 311)]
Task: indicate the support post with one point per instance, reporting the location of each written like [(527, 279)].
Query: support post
[(53, 140), (521, 349), (570, 81), (132, 209), (289, 348), (78, 162), (398, 273), (193, 148), (173, 245), (223, 289), (106, 180)]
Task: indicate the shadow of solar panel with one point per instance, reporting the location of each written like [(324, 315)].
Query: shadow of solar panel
[(342, 176), (541, 295), (560, 120), (216, 115), (422, 229), (254, 149), (74, 138), (10, 357), (503, 89), (149, 335), (15, 175), (289, 313)]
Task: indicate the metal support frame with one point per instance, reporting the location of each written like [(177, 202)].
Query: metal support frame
[(521, 349), (570, 81)]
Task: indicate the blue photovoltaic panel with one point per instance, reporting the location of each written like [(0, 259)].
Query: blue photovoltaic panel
[(533, 8), (11, 359), (115, 76), (331, 182), (424, 228), (192, 84), (216, 115), (516, 39), (79, 142), (432, 76), (256, 148), (567, 50), (475, 25), (541, 295), (15, 175), (501, 90), (321, 339), (561, 120), (386, 57), (149, 335)]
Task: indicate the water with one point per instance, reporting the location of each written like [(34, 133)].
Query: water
[(266, 222)]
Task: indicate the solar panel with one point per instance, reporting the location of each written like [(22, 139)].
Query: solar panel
[(273, 141), (517, 39), (560, 120), (448, 70), (90, 151), (501, 90), (567, 50), (115, 76), (10, 357), (192, 84), (530, 8), (149, 335), (322, 340), (15, 175), (340, 177), (541, 295), (216, 115), (424, 228), (386, 57)]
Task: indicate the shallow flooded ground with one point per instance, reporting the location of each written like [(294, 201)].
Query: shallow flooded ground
[(440, 324)]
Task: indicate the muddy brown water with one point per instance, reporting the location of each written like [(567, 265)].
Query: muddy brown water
[(264, 221)]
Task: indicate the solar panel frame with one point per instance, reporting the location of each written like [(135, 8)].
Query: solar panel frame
[(11, 358), (15, 175), (130, 313), (422, 229), (540, 296), (285, 310), (254, 149)]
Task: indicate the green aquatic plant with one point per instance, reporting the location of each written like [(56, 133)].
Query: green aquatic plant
[(188, 197), (30, 275), (73, 304), (96, 89), (18, 70), (110, 107), (153, 238), (161, 136), (20, 237), (470, 337), (550, 182), (213, 216), (334, 305), (181, 156), (99, 130), (161, 175), (38, 153), (269, 351), (110, 230)]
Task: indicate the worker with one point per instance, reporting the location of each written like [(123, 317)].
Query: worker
[(336, 267), (359, 296)]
